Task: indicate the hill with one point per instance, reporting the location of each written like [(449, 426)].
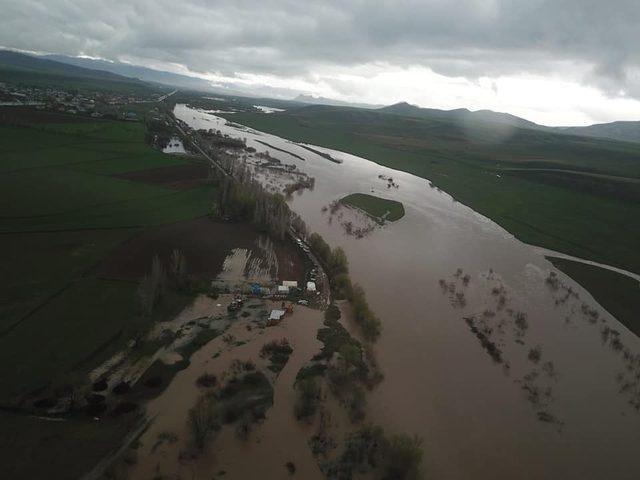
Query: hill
[(462, 115), (625, 131), (311, 100), (20, 68), (134, 71)]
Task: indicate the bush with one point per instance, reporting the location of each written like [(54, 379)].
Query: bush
[(364, 317), (403, 456), (308, 398), (206, 380), (203, 420)]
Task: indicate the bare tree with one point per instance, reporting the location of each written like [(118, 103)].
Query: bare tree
[(152, 287), (178, 269)]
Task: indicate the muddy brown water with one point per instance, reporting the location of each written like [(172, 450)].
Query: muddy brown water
[(270, 445), (569, 416)]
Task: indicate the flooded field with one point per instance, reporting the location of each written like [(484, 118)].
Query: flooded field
[(165, 448), (505, 366)]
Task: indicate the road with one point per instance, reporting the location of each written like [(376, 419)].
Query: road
[(164, 97)]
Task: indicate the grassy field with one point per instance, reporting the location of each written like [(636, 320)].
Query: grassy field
[(571, 213), (618, 294), (380, 209), (35, 448), (63, 210)]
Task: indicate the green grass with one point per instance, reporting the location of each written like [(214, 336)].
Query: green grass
[(78, 329), (62, 211), (381, 209), (35, 448), (618, 294), (37, 265), (565, 213)]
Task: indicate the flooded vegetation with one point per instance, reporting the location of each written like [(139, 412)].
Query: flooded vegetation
[(495, 322)]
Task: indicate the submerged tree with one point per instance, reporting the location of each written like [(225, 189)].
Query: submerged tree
[(203, 420)]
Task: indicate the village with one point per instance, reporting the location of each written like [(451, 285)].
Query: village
[(312, 292), (96, 104)]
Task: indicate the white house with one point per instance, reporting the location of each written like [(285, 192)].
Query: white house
[(276, 315), (290, 284)]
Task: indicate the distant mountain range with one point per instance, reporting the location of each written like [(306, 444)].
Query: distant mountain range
[(33, 70), (133, 71), (311, 100), (625, 131), (459, 114), (29, 63), (55, 69)]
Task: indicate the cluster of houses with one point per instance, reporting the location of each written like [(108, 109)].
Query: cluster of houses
[(288, 285), (95, 104)]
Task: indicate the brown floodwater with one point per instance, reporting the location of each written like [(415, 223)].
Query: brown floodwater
[(559, 399), (165, 447)]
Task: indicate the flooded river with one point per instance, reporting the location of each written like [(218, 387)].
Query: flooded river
[(506, 372)]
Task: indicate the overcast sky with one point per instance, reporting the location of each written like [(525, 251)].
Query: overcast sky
[(556, 62)]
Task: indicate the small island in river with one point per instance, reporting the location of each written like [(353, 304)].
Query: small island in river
[(380, 209)]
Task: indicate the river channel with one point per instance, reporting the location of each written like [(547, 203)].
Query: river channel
[(559, 400)]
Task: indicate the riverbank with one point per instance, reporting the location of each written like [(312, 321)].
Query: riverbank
[(566, 214), (619, 294)]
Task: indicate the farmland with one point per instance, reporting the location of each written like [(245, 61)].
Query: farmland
[(66, 206)]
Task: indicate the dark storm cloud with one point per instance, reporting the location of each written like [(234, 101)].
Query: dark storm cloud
[(470, 38)]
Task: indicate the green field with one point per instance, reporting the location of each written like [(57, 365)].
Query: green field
[(63, 210), (497, 174), (378, 208), (33, 448), (618, 294)]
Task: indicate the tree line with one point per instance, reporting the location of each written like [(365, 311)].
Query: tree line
[(337, 267), (242, 197)]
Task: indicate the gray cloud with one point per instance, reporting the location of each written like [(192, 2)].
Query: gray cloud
[(469, 38)]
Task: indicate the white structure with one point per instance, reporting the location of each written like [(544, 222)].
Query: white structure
[(283, 289), (290, 284), (276, 315), (311, 286)]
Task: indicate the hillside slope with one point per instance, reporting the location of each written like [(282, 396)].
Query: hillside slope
[(20, 68), (625, 131)]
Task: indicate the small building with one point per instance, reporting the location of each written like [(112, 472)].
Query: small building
[(290, 283), (283, 289), (311, 286), (276, 315)]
